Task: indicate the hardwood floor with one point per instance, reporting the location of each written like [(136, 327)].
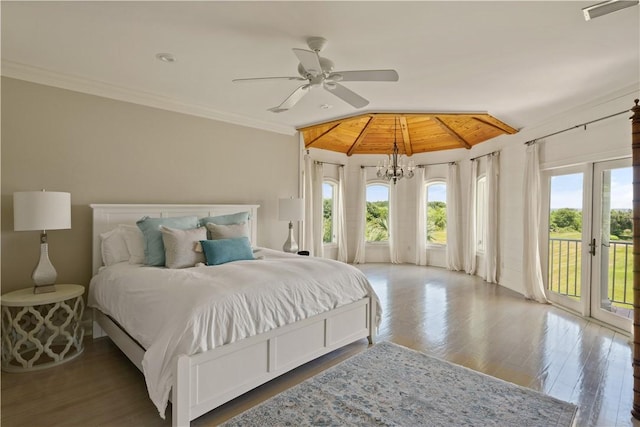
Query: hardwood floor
[(450, 315)]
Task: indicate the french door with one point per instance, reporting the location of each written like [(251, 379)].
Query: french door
[(589, 240)]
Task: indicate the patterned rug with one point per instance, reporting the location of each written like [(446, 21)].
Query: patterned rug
[(392, 385)]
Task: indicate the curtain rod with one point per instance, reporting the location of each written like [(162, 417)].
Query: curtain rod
[(318, 162), (484, 155), (533, 141), (434, 164)]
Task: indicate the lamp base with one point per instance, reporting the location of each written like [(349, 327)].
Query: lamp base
[(44, 275), (290, 245), (43, 289)]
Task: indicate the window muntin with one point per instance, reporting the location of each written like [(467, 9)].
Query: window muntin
[(481, 213), (328, 215), (377, 215), (436, 200)]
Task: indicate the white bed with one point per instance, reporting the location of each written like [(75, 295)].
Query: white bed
[(204, 380)]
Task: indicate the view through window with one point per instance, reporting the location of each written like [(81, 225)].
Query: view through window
[(377, 216), (437, 213)]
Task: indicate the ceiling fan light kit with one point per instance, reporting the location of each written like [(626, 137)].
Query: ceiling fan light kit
[(318, 72)]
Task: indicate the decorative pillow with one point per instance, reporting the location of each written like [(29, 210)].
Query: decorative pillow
[(134, 240), (226, 250), (235, 218), (113, 247), (150, 227), (181, 246), (230, 231)]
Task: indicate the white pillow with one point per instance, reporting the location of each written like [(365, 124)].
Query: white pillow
[(113, 247), (181, 246), (230, 231), (134, 239)]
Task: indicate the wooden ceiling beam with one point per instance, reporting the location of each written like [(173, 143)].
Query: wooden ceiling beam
[(316, 139), (451, 132), (406, 139), (504, 128), (358, 141)]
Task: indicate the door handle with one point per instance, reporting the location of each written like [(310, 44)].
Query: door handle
[(592, 247)]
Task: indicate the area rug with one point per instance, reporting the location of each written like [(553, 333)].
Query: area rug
[(392, 385)]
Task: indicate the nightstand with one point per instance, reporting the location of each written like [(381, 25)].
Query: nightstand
[(41, 330)]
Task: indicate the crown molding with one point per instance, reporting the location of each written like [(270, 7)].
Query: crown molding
[(42, 76)]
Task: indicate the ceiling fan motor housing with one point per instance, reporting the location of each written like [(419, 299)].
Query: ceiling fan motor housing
[(325, 64)]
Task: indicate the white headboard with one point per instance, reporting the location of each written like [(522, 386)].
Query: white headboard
[(107, 217)]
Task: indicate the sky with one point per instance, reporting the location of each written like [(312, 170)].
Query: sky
[(566, 190)]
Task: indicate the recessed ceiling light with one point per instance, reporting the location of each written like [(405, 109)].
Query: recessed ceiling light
[(166, 57), (326, 106)]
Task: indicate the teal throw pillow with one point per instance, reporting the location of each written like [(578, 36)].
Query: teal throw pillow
[(236, 218), (226, 250), (153, 245)]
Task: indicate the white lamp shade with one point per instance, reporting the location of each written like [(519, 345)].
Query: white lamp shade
[(290, 209), (41, 210)]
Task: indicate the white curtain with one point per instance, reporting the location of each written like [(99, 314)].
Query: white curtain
[(421, 218), (340, 218), (394, 224), (454, 248), (361, 200), (317, 177), (470, 244), (307, 239), (533, 283), (491, 248)]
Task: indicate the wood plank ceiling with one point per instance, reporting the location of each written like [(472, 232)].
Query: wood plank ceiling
[(374, 133)]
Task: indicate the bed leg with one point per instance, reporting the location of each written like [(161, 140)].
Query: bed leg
[(372, 321), (181, 399)]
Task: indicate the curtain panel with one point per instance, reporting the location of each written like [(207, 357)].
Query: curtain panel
[(472, 239), (361, 199), (421, 217), (492, 241), (533, 280), (454, 247), (340, 217)]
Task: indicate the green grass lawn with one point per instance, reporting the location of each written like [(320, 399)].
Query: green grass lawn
[(564, 268)]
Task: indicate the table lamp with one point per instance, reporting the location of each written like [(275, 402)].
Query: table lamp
[(290, 210), (42, 210)]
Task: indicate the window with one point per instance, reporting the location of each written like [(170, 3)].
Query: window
[(481, 213), (328, 203), (377, 226), (437, 213)]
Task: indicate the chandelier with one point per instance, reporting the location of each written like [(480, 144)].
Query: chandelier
[(393, 168)]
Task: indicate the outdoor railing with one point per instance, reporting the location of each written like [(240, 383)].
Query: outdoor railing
[(564, 276)]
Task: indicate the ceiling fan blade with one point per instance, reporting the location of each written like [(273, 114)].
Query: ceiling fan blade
[(309, 61), (365, 75), (258, 79), (347, 95), (292, 99)]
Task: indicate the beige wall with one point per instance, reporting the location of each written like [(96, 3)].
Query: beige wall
[(106, 151)]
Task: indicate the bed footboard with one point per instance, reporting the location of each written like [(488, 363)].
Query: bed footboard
[(207, 380)]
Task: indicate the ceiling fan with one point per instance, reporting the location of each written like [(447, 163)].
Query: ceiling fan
[(318, 72)]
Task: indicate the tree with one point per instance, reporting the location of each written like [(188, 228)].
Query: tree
[(621, 222), (565, 219), (377, 228)]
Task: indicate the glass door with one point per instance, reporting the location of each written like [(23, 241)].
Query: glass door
[(611, 245), (567, 275)]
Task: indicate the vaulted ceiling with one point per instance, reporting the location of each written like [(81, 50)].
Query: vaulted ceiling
[(375, 133), (520, 62)]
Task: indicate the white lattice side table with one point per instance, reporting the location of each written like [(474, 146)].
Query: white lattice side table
[(41, 330)]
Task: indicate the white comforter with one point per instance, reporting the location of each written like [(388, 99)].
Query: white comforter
[(192, 310)]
